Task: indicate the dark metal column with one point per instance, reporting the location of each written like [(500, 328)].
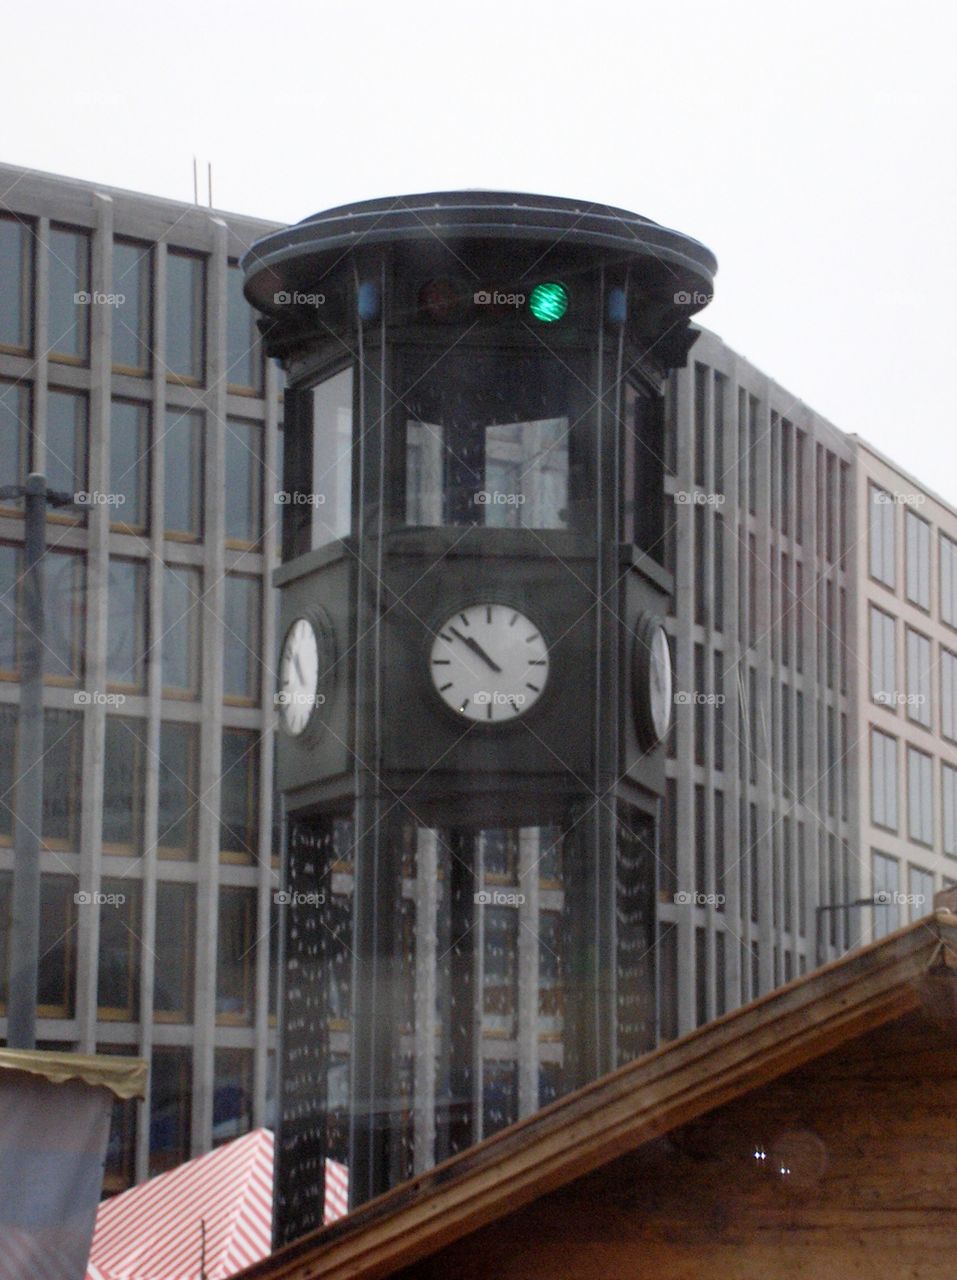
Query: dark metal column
[(28, 808)]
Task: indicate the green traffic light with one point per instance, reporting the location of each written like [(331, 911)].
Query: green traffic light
[(548, 302)]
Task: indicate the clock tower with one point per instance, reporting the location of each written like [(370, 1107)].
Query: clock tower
[(475, 679)]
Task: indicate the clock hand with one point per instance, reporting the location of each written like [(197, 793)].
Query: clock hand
[(476, 648), (295, 660)]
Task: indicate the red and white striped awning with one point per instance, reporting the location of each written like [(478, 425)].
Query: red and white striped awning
[(153, 1232)]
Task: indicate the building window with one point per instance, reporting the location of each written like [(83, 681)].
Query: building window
[(130, 465), (232, 1094), (63, 601), (184, 462), (126, 643), (16, 284), (244, 481), (132, 318), (242, 649), (120, 1170), (883, 658), (62, 778), (918, 678), (948, 580), (171, 1092), (239, 796), (885, 882), (917, 533), (883, 780), (175, 952), (236, 964), (118, 980), (15, 419), (66, 444), (882, 536), (57, 975), (11, 567), (178, 791), (185, 316), (68, 295), (182, 612), (920, 796), (948, 790), (124, 776), (244, 359), (921, 889), (948, 694), (8, 774)]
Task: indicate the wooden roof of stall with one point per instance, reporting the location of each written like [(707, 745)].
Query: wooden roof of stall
[(727, 1058)]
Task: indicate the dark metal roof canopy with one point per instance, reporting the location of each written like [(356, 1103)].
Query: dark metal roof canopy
[(674, 265)]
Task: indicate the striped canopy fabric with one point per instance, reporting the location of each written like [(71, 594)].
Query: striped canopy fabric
[(154, 1232)]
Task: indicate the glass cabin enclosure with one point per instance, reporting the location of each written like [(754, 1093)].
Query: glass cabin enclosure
[(473, 528)]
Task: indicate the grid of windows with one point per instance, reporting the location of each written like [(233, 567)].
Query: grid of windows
[(918, 678), (883, 657)]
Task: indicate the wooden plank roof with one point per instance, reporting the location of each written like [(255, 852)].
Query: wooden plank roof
[(912, 968)]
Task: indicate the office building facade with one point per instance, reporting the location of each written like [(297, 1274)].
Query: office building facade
[(131, 371)]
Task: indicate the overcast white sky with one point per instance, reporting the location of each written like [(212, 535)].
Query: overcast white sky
[(812, 146)]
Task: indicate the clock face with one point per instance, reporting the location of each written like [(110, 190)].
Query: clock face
[(489, 663), (298, 694), (652, 682), (660, 696)]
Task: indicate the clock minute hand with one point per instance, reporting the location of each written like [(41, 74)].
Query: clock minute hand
[(476, 648)]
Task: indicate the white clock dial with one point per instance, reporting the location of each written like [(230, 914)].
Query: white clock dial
[(489, 663), (660, 682), (298, 677)]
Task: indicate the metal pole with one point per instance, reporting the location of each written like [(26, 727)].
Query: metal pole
[(28, 809)]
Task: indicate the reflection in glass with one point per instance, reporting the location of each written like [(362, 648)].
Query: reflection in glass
[(16, 283), (11, 560), (132, 268), (129, 463), (66, 452), (175, 951), (244, 480), (239, 794), (56, 986), (62, 774), (236, 963), (241, 648), (182, 592), (14, 434), (232, 1094), (489, 442), (244, 361), (330, 501), (178, 795), (118, 964), (123, 784), (126, 649), (170, 1107), (68, 293), (185, 321), (184, 463)]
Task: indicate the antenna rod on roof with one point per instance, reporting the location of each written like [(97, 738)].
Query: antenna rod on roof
[(209, 181), (195, 183)]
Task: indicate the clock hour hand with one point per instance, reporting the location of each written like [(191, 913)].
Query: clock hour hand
[(476, 648)]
